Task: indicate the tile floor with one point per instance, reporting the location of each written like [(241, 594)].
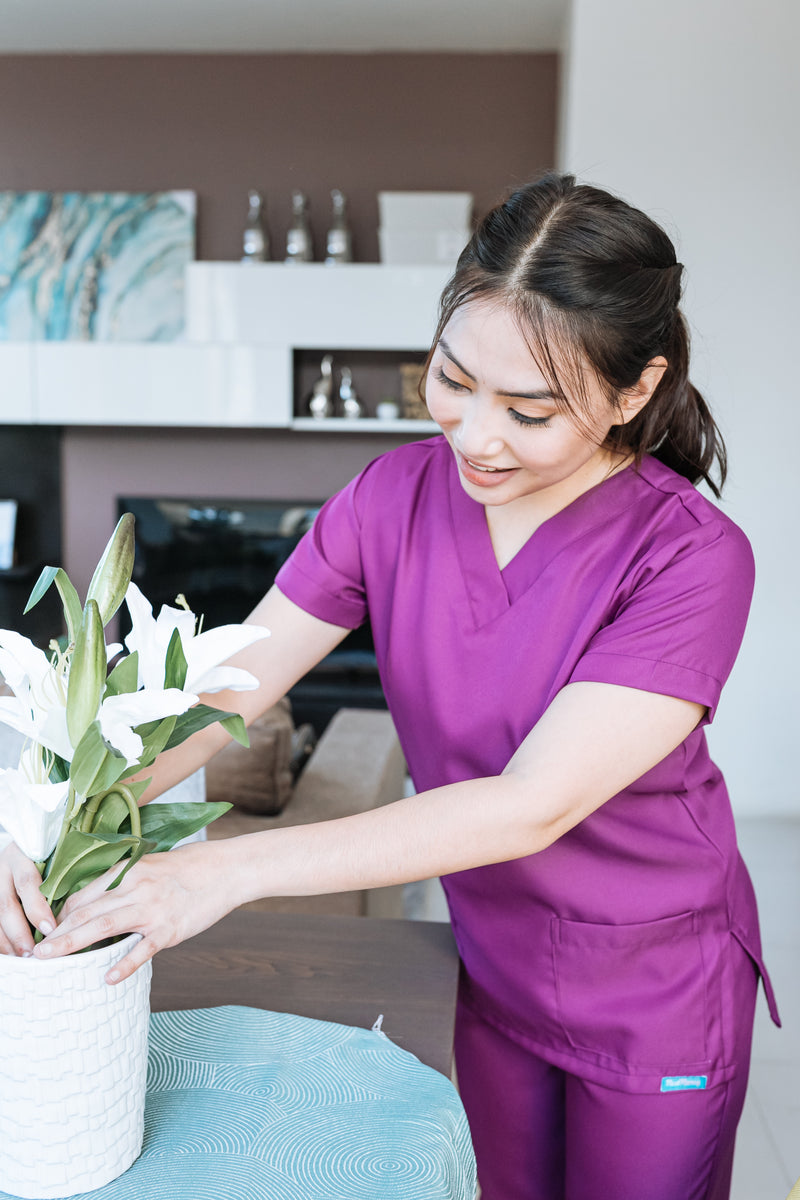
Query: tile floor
[(768, 1147)]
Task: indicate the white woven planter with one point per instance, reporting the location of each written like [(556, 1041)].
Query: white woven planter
[(73, 1069)]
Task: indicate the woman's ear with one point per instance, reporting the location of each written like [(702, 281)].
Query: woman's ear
[(633, 399)]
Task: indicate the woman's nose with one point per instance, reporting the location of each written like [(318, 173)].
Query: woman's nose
[(478, 433)]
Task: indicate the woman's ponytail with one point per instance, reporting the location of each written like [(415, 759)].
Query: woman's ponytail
[(676, 425)]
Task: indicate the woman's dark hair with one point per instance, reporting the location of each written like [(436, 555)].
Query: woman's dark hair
[(591, 279)]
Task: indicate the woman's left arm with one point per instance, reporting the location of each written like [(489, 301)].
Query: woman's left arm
[(594, 740)]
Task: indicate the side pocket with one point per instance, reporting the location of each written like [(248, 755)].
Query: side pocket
[(755, 955), (634, 994)]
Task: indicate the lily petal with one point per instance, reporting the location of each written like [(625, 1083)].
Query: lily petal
[(119, 715), (205, 652), (32, 813)]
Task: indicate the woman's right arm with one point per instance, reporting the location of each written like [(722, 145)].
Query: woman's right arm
[(297, 642)]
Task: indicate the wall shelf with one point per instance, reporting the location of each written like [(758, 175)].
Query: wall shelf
[(235, 367), (362, 425)]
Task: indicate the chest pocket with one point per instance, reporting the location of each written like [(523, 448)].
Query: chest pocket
[(633, 997)]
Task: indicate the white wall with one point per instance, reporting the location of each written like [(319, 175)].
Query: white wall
[(690, 109)]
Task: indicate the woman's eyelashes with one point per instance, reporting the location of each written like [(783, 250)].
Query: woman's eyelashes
[(520, 418), (530, 422), (448, 382)]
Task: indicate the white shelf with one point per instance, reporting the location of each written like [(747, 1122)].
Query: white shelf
[(362, 425), (234, 367)]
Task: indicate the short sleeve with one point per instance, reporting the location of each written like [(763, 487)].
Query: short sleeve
[(324, 575), (679, 628)]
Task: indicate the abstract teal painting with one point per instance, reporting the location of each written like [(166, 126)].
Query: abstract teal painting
[(94, 266)]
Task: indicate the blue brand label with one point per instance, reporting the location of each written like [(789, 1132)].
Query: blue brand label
[(683, 1083)]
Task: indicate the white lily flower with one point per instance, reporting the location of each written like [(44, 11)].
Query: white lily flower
[(38, 707), (204, 651), (31, 808), (119, 715)]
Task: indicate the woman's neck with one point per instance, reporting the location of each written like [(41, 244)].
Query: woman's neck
[(512, 525)]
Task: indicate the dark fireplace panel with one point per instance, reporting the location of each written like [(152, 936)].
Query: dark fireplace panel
[(223, 555)]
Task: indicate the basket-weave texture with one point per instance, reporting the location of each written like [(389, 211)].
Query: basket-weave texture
[(73, 1068)]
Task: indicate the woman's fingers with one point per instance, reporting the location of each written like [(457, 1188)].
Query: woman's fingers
[(142, 952), (95, 914), (21, 903), (164, 897)]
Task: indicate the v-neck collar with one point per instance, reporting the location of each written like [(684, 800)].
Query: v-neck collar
[(493, 590)]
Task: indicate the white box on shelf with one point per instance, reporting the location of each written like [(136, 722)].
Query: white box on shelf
[(436, 247), (410, 212)]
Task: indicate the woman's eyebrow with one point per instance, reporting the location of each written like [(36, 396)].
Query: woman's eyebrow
[(539, 394), (454, 360)]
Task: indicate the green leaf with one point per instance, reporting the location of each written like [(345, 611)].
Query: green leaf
[(81, 858), (112, 814), (235, 726), (144, 847), (59, 771), (199, 717), (166, 824), (95, 767), (69, 597), (113, 573), (87, 674), (175, 665), (124, 679), (155, 741)]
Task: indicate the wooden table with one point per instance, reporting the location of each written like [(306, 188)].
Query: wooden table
[(344, 969)]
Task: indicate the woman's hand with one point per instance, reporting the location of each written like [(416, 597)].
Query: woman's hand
[(164, 897), (21, 903)]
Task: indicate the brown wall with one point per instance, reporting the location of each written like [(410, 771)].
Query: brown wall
[(221, 124)]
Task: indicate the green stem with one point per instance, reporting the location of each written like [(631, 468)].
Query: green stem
[(92, 808)]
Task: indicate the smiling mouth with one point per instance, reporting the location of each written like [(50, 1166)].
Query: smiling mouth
[(487, 470)]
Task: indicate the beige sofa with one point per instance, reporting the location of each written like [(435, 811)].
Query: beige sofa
[(357, 765)]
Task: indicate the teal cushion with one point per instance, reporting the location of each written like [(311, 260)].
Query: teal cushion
[(244, 1104)]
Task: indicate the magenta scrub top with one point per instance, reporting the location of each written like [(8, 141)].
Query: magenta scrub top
[(610, 953)]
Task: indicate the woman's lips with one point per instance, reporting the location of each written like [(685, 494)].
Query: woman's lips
[(482, 476)]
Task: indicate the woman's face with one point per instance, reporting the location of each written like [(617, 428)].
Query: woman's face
[(499, 414)]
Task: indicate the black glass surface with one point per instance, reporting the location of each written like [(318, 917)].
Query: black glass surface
[(223, 555)]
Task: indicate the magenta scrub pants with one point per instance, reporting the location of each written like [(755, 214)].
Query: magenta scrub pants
[(541, 1133)]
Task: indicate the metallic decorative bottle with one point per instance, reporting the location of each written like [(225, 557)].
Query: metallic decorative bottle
[(340, 240), (299, 247), (255, 244), (320, 403), (349, 403)]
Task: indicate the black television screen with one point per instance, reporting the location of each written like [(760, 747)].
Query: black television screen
[(223, 555)]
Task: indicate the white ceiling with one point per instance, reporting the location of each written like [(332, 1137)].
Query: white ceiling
[(280, 26)]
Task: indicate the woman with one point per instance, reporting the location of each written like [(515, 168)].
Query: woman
[(555, 609)]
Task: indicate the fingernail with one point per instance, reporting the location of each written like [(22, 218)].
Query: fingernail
[(27, 953), (43, 949), (112, 976), (46, 927)]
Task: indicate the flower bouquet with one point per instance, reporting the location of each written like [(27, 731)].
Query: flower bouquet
[(93, 716)]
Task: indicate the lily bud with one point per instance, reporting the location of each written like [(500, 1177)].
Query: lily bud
[(113, 572), (87, 673)]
